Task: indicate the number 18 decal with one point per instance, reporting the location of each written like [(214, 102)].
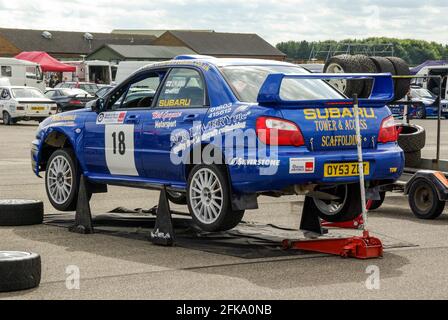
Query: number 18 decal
[(120, 149)]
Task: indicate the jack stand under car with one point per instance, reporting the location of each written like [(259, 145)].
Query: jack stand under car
[(359, 247)]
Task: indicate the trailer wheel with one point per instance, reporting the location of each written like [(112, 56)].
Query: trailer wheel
[(345, 64), (401, 85), (412, 137), (424, 201), (19, 270), (376, 204)]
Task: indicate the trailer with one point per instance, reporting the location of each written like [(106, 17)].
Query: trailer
[(425, 182)]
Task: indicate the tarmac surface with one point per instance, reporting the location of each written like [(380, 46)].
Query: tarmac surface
[(120, 268)]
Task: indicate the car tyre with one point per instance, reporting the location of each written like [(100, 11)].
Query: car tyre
[(7, 120), (367, 66), (345, 209), (412, 159), (376, 204), (62, 180), (424, 201), (402, 86), (17, 212), (208, 199), (345, 64), (412, 137), (177, 197), (19, 270)]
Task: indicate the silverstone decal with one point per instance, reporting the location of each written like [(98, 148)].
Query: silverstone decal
[(115, 117), (119, 149), (301, 165), (254, 162)]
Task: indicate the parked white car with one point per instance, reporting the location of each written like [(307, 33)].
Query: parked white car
[(24, 103)]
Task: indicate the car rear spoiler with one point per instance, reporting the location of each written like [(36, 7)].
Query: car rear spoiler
[(382, 91)]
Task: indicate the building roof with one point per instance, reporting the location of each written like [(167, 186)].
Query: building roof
[(152, 32), (67, 42), (219, 43), (147, 52)]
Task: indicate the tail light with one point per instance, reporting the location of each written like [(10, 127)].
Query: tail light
[(281, 132), (75, 102), (388, 131), (21, 108)]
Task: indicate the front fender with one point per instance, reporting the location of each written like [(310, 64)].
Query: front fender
[(73, 137)]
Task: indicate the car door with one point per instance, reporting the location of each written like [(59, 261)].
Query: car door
[(112, 139), (181, 104)]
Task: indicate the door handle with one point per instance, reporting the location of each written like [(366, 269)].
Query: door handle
[(191, 117), (133, 119)]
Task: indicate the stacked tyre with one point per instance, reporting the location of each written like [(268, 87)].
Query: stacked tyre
[(412, 140), (20, 270), (364, 64)]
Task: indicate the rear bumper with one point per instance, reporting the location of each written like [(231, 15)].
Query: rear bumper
[(386, 164)]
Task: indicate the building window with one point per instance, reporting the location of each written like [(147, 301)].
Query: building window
[(6, 71)]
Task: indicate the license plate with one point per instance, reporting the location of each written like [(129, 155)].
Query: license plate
[(38, 108), (347, 169)]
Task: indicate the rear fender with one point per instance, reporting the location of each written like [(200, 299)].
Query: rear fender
[(435, 178)]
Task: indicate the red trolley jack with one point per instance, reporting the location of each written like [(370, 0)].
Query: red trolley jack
[(357, 223), (360, 247)]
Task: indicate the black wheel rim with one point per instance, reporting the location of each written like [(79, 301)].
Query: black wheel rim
[(423, 198)]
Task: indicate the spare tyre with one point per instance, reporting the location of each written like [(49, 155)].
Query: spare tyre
[(412, 137), (345, 64), (18, 212), (402, 86), (412, 159), (19, 270), (367, 66), (383, 65)]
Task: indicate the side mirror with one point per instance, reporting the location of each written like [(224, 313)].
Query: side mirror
[(99, 105)]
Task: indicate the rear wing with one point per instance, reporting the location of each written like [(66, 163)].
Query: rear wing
[(382, 89)]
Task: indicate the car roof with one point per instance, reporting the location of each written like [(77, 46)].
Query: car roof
[(18, 87), (218, 62)]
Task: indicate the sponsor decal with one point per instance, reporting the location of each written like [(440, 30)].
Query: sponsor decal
[(301, 165), (393, 170), (204, 66), (175, 103), (340, 141), (57, 118), (166, 115), (254, 162), (165, 124), (220, 110), (337, 113), (116, 117)]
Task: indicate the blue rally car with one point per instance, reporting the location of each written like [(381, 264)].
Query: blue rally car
[(217, 133)]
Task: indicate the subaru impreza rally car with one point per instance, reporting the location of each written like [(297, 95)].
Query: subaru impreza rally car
[(219, 132)]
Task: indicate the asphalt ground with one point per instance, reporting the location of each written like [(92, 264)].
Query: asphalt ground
[(119, 268)]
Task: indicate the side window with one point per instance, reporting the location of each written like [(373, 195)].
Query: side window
[(50, 94), (182, 89), (5, 95), (139, 93), (6, 71)]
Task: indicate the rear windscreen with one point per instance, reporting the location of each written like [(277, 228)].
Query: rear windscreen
[(246, 81)]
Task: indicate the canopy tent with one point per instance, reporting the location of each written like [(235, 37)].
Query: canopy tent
[(46, 62)]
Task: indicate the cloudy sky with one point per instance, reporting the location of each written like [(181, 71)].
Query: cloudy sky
[(274, 20)]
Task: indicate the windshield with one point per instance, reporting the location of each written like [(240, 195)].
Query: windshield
[(422, 94), (72, 92), (27, 93), (91, 88), (246, 81)]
